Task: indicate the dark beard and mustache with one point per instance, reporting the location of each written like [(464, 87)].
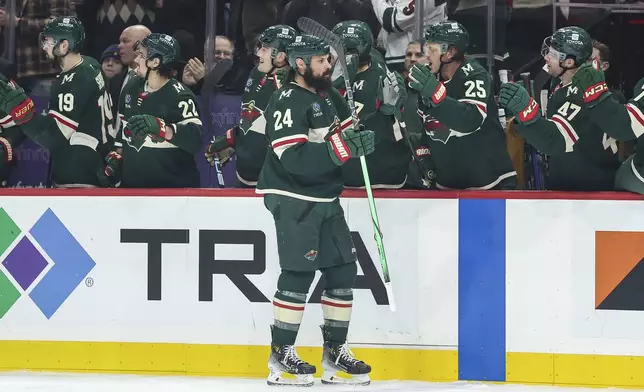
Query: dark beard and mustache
[(317, 82)]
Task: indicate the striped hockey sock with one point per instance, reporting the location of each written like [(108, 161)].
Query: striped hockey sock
[(288, 309), (336, 308)]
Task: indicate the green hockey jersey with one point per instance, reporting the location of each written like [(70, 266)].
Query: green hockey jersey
[(581, 157), (169, 164), (80, 127), (298, 163), (625, 123), (389, 163), (250, 141), (467, 145)]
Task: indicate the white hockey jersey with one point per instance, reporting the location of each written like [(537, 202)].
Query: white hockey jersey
[(398, 19)]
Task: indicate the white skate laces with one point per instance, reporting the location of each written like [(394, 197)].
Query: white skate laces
[(347, 354)]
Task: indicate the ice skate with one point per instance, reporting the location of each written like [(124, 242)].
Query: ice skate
[(287, 369), (339, 358)]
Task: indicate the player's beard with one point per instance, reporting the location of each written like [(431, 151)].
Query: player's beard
[(317, 82)]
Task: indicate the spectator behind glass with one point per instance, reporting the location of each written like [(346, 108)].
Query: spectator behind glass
[(35, 73), (331, 12), (602, 53), (111, 62), (195, 70), (414, 55)]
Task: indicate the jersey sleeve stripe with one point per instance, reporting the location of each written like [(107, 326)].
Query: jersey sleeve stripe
[(6, 122), (194, 120), (566, 130), (282, 144), (481, 106), (346, 123), (71, 123), (637, 119), (66, 126)]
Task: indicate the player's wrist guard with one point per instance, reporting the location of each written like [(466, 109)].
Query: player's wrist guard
[(159, 136), (438, 95), (530, 113), (338, 149), (6, 151), (596, 93)]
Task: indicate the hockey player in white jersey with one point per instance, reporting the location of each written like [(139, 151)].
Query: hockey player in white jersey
[(398, 19)]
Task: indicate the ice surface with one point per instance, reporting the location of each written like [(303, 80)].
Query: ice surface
[(52, 382)]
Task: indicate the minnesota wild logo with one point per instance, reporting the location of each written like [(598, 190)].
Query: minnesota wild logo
[(249, 114), (437, 131)]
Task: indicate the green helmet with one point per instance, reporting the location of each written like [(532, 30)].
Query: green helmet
[(67, 28), (161, 46), (306, 46), (448, 33), (569, 43), (277, 38), (356, 35)]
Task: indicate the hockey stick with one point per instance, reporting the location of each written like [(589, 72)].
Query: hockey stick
[(209, 83), (314, 28), (427, 176), (534, 154)]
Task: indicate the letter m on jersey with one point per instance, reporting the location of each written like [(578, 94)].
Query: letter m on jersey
[(286, 93), (68, 78)]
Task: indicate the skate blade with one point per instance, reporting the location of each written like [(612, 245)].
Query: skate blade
[(282, 379), (332, 378)]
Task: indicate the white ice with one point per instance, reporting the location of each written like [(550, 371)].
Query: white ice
[(51, 382)]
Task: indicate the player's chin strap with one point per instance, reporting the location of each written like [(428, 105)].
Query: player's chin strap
[(443, 63)]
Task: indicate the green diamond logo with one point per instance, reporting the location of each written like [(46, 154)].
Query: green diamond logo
[(9, 231)]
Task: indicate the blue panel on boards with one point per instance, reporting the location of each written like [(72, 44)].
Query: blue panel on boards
[(481, 290)]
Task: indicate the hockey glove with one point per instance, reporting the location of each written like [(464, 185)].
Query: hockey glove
[(423, 80), (16, 103), (392, 94), (219, 144), (350, 144), (144, 124), (591, 81), (111, 175), (514, 98), (6, 152), (337, 78)]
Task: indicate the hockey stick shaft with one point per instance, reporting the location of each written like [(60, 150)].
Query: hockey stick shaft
[(312, 27), (210, 81)]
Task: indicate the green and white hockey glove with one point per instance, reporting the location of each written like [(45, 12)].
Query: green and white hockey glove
[(514, 98), (424, 81), (592, 82), (350, 144), (337, 78), (219, 147), (15, 102), (142, 125), (392, 94)]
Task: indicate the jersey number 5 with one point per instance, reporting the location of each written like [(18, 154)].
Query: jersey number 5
[(281, 121), (475, 89)]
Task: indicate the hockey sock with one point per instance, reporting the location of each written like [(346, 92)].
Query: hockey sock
[(337, 301), (288, 305), (336, 308)]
